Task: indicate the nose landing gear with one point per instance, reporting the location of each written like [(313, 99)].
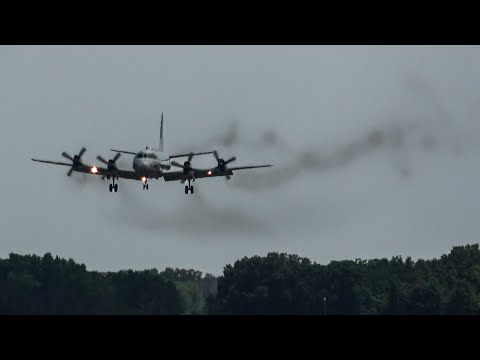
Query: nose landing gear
[(145, 183)]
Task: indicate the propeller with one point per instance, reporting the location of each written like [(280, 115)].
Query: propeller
[(187, 167), (111, 164), (222, 164), (76, 160)]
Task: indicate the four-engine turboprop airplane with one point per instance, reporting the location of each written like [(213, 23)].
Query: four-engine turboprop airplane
[(151, 163)]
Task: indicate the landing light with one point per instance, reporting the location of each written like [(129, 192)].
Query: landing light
[(209, 172), (94, 170), (144, 179)]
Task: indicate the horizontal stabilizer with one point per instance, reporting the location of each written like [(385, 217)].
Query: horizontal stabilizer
[(182, 155), (123, 152)]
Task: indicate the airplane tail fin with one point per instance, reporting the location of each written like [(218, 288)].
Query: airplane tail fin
[(160, 145)]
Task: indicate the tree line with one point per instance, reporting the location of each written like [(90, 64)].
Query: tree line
[(277, 283)]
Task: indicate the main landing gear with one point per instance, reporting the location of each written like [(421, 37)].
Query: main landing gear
[(189, 187), (113, 186)]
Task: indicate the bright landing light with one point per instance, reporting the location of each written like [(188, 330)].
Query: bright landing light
[(94, 170), (209, 172), (144, 179)]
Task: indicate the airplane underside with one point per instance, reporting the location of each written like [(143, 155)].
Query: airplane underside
[(113, 187)]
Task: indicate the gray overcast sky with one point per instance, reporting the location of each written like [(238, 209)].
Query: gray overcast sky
[(375, 150)]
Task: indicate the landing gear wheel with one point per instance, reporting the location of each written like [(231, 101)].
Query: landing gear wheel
[(110, 187), (186, 189), (191, 189), (115, 187), (146, 186)]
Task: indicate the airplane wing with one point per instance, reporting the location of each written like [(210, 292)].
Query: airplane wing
[(204, 173), (123, 174), (52, 162), (249, 167), (87, 169), (178, 175), (128, 174), (173, 175)]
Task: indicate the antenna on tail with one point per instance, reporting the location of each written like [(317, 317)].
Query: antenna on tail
[(160, 145)]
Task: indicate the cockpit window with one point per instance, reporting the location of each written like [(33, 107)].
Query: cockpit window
[(149, 155)]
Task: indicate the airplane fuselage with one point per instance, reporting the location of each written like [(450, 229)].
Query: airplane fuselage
[(150, 163)]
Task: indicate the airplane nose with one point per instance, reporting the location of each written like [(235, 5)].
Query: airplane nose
[(137, 165)]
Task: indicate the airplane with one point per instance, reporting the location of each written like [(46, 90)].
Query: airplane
[(151, 163)]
